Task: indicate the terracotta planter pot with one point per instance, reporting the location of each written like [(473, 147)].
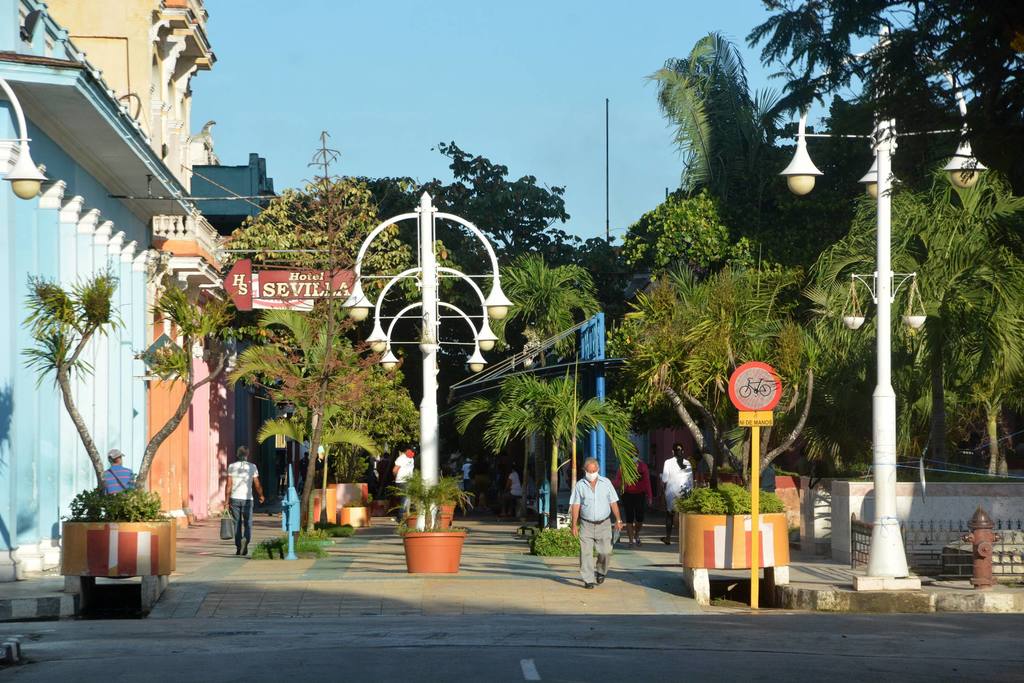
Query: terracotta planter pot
[(357, 517), (433, 552), (118, 549), (723, 541)]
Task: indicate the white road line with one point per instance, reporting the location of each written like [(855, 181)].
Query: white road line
[(529, 670)]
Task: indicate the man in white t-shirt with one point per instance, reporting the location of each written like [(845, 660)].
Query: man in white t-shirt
[(677, 476), (405, 465), (243, 477)]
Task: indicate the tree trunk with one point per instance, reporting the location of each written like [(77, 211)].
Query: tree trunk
[(172, 424), (526, 480), (991, 416), (305, 506), (788, 441), (937, 431), (572, 464), (64, 382), (553, 505), (323, 492)]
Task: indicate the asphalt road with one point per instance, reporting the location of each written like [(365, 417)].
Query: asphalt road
[(712, 646)]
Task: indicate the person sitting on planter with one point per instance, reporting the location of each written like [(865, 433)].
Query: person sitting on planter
[(677, 476), (591, 506), (117, 477), (243, 477), (635, 499)]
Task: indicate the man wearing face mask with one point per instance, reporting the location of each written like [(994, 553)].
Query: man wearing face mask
[(591, 507), (677, 476)]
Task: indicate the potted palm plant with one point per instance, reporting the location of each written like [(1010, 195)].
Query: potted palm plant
[(433, 549)]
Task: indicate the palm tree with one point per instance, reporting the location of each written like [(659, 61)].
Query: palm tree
[(723, 131), (298, 428), (527, 405), (548, 300), (62, 323), (305, 364), (970, 283), (686, 336)]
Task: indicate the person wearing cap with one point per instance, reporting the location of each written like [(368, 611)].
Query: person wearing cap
[(405, 465), (117, 477)]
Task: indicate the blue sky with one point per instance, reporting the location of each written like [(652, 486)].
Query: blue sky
[(522, 83)]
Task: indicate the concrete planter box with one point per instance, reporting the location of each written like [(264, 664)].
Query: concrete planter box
[(355, 516), (94, 550), (723, 541), (119, 549), (338, 496)]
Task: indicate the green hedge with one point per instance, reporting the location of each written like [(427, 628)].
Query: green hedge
[(555, 543), (727, 499), (332, 530)]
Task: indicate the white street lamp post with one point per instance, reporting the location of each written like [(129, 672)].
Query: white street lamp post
[(495, 305), (24, 176), (887, 557)]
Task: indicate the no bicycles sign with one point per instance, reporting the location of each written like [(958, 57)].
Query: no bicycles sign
[(755, 387)]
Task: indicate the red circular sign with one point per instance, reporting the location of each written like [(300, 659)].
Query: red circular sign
[(755, 386)]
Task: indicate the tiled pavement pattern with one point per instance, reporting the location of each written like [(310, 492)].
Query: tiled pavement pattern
[(365, 575)]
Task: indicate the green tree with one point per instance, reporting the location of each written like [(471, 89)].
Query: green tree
[(528, 405), (62, 323), (684, 230), (303, 363), (686, 336), (298, 428), (813, 41), (724, 132), (548, 300), (969, 282), (198, 325)]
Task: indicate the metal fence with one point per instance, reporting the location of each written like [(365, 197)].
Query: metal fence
[(936, 547)]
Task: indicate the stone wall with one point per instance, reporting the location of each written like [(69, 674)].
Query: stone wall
[(943, 502)]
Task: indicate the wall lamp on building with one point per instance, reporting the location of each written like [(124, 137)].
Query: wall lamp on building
[(25, 177)]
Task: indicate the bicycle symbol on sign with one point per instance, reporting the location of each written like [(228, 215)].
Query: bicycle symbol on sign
[(762, 386)]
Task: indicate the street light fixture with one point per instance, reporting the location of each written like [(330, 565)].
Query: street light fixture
[(25, 177), (428, 272), (887, 556)]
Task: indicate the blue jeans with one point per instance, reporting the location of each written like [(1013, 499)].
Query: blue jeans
[(241, 512)]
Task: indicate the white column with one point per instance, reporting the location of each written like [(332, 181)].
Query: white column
[(887, 557), (428, 406)]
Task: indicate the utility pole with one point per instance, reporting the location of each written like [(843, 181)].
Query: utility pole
[(607, 221)]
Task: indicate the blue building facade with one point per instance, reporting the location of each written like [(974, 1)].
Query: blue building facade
[(233, 183), (92, 150)]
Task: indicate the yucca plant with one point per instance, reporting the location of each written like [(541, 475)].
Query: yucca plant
[(425, 500)]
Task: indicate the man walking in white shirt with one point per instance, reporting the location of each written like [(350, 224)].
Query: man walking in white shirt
[(677, 476), (243, 477), (405, 465)]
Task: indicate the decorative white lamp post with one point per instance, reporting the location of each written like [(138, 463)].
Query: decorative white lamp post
[(887, 557), (24, 177), (495, 305)]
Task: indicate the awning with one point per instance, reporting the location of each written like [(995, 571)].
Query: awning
[(68, 103)]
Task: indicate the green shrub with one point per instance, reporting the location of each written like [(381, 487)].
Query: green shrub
[(737, 499), (703, 502), (771, 503), (555, 543), (133, 505), (305, 546), (727, 499), (335, 530)]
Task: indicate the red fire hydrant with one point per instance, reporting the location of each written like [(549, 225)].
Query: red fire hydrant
[(981, 538)]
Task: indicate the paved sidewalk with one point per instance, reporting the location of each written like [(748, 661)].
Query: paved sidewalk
[(365, 575)]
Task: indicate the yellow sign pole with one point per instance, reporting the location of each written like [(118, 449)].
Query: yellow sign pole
[(755, 514)]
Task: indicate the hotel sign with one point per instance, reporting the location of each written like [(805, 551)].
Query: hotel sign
[(295, 289)]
